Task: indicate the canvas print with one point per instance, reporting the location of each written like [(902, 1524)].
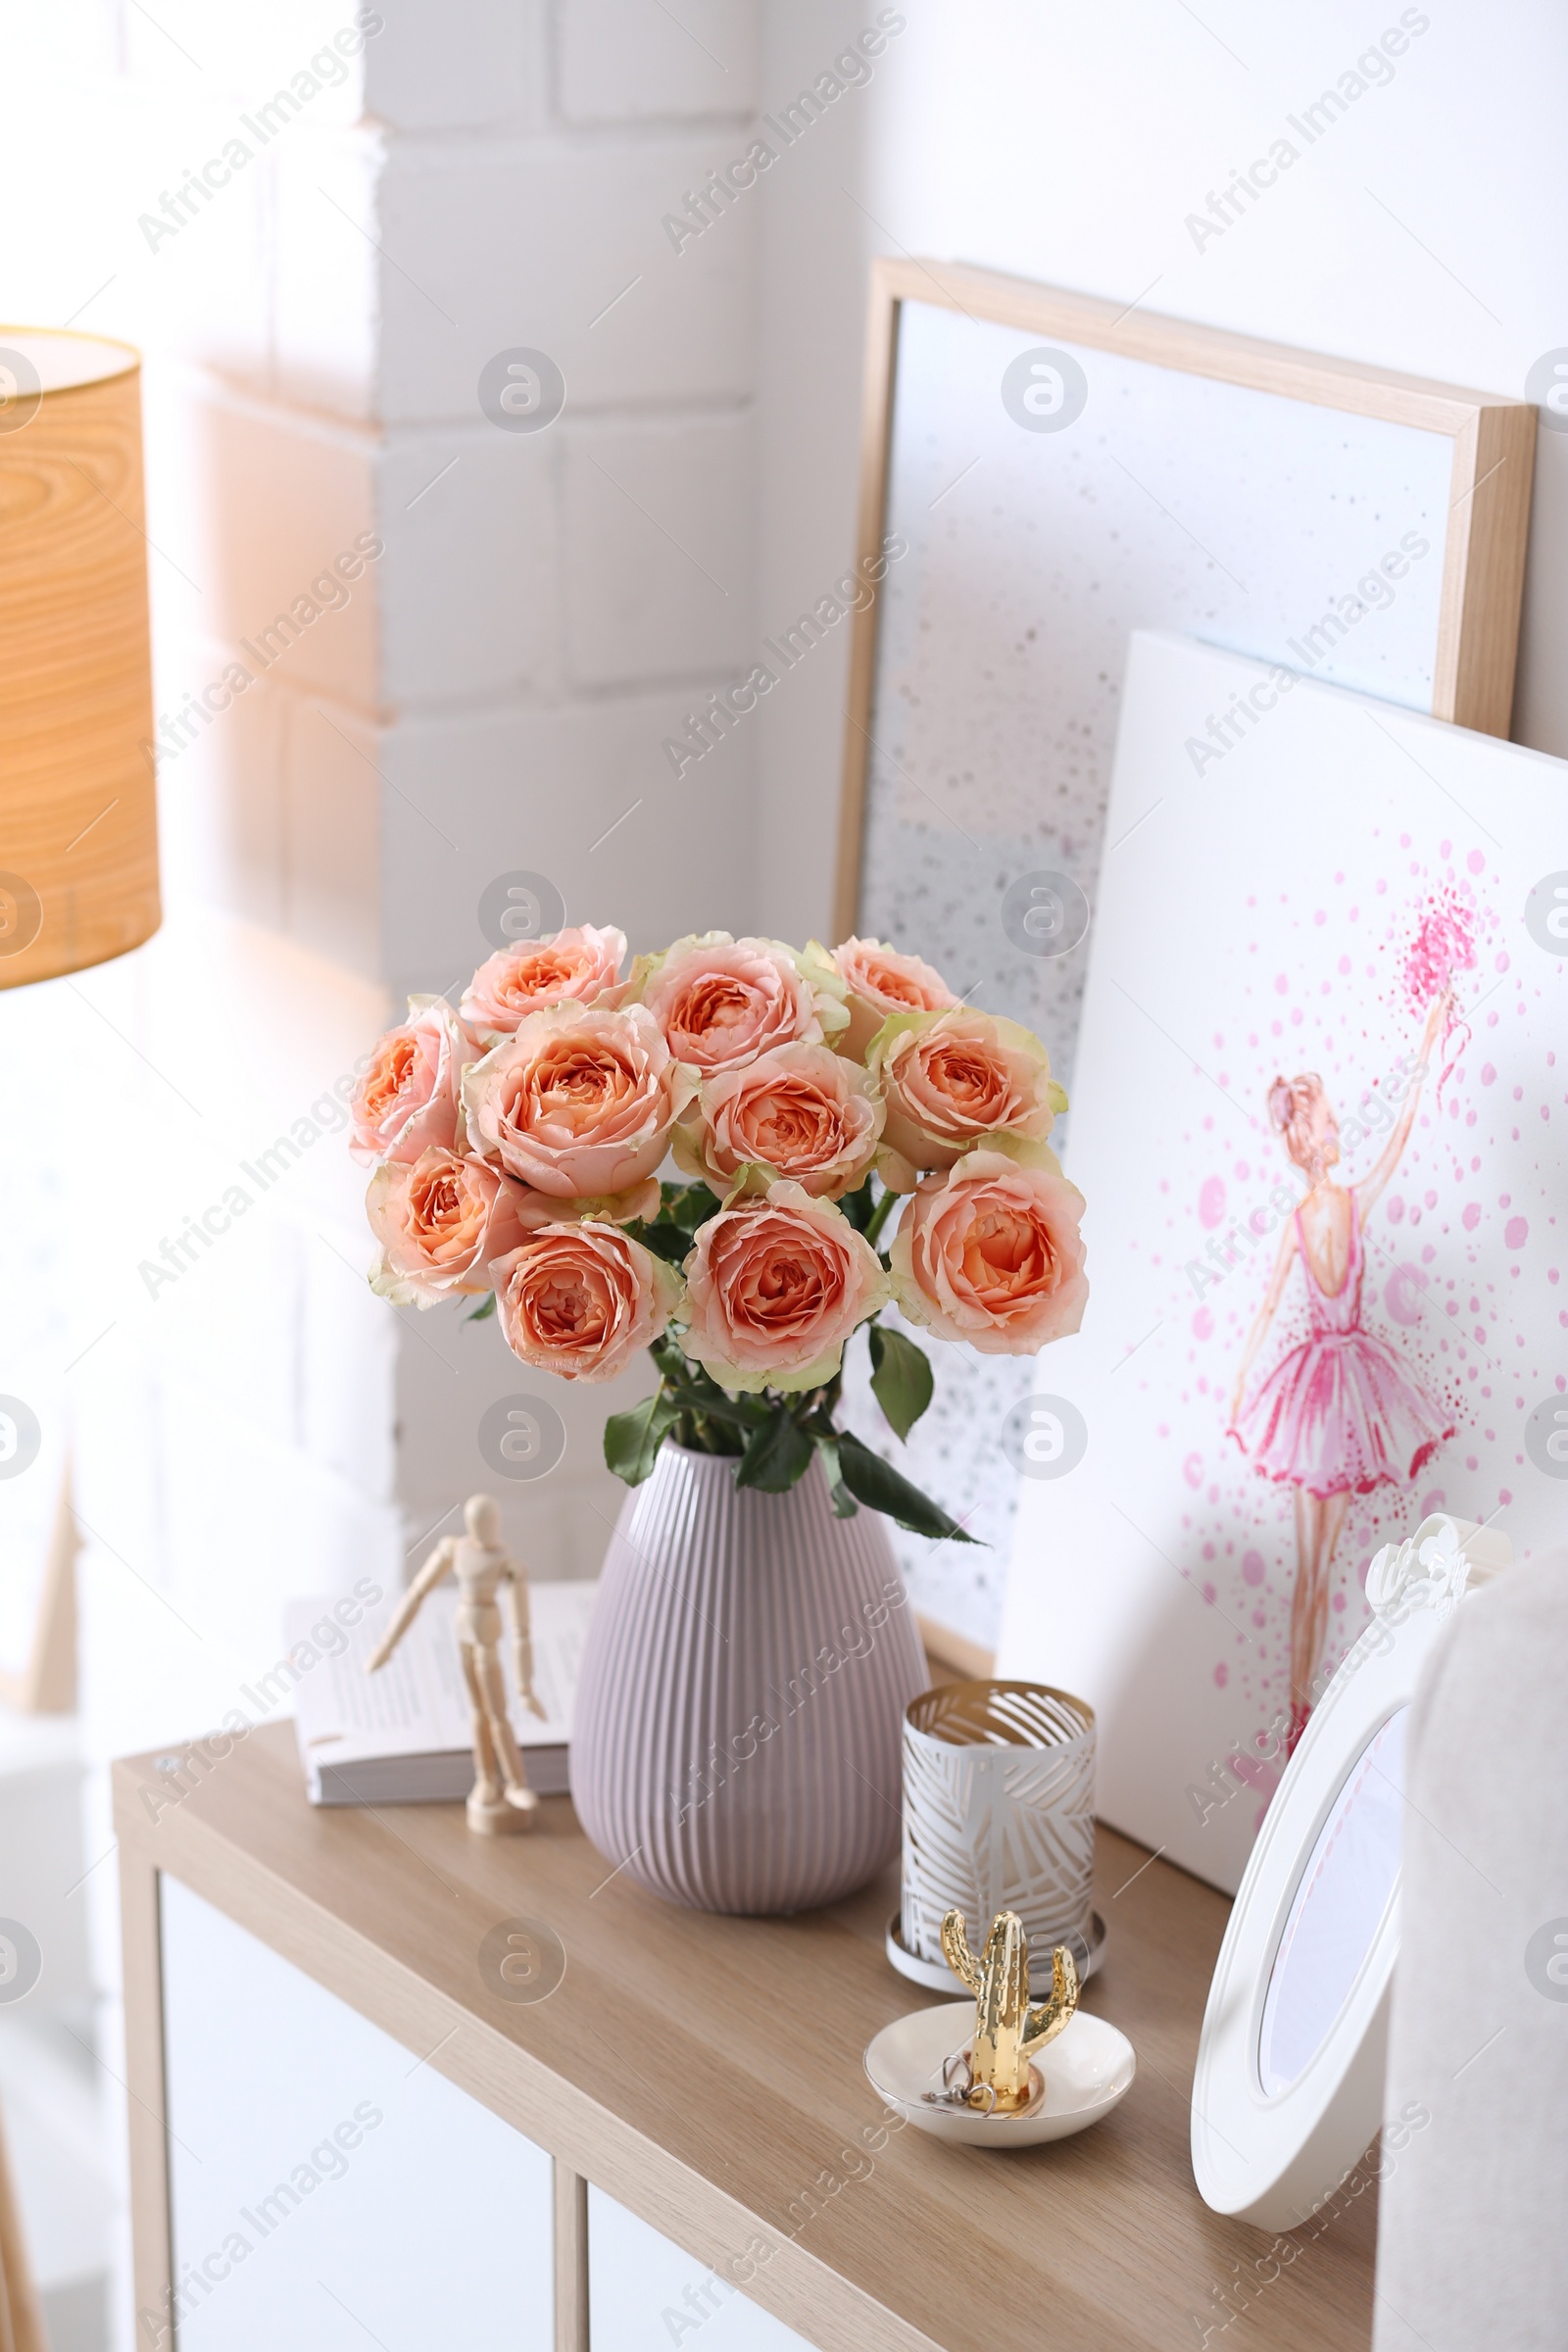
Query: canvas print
[(1321, 1121)]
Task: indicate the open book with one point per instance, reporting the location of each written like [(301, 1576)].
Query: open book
[(404, 1736)]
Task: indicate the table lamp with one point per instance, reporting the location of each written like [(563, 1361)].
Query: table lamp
[(78, 826)]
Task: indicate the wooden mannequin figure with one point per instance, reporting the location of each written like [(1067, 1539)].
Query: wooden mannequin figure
[(501, 1799)]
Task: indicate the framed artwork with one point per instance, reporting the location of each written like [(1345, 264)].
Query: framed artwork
[(1321, 1123), (1060, 471)]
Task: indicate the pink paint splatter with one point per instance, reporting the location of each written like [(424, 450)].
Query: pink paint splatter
[(1445, 945), (1401, 1294), (1211, 1201), (1516, 1233)]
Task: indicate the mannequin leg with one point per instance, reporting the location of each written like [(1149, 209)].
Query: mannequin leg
[(486, 1767), (492, 1680), (518, 1792)]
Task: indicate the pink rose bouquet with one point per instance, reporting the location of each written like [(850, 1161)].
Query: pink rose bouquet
[(991, 1253), (578, 966), (520, 1149), (953, 1080), (581, 1300), (881, 981), (407, 1098), (800, 1111)]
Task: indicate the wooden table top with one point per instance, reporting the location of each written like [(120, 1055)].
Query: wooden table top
[(706, 2072)]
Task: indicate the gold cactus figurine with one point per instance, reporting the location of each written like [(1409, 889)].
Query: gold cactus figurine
[(1006, 2030)]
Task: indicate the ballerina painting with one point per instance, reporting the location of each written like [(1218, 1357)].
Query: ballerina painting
[(1339, 1414)]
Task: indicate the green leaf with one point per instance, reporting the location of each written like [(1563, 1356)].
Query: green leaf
[(737, 1412), (901, 1379), (664, 1240), (687, 1205), (776, 1453), (666, 1355), (843, 1503), (481, 1312), (632, 1439), (857, 1205), (881, 1488)]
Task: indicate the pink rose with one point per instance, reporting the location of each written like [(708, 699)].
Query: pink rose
[(575, 967), (439, 1219), (579, 1101), (799, 1110), (407, 1100), (774, 1287), (880, 982), (720, 1001), (951, 1080), (992, 1253), (581, 1300)]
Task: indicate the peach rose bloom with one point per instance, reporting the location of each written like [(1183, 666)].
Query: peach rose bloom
[(800, 1111), (407, 1100), (992, 1253), (951, 1079), (775, 1287), (880, 982), (439, 1219), (576, 967), (581, 1300), (720, 1001), (580, 1100)]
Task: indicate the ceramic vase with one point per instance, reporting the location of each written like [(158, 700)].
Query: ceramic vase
[(735, 1743)]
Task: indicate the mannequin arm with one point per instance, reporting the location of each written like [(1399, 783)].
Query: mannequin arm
[(407, 1608), (523, 1639)]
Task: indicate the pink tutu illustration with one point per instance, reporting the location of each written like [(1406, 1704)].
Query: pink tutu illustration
[(1339, 1414)]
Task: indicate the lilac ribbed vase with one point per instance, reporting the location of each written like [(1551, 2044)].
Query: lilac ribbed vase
[(735, 1743)]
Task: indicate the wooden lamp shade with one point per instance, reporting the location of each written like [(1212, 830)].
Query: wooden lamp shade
[(79, 826)]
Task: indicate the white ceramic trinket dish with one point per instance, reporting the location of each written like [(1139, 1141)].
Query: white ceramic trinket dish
[(1081, 2075)]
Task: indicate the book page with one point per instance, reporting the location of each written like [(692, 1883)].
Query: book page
[(418, 1705)]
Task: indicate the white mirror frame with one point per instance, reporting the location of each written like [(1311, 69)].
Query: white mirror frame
[(1274, 2160)]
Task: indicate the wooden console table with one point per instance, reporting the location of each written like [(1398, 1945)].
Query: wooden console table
[(705, 2075)]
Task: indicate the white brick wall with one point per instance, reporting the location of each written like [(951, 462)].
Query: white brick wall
[(616, 64), (494, 692)]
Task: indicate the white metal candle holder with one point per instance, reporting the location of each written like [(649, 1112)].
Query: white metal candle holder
[(998, 1794)]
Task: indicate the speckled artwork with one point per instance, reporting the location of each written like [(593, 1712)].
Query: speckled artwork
[(1035, 543), (1321, 1122)]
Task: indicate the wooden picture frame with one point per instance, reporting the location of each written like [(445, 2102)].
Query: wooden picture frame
[(1483, 560)]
